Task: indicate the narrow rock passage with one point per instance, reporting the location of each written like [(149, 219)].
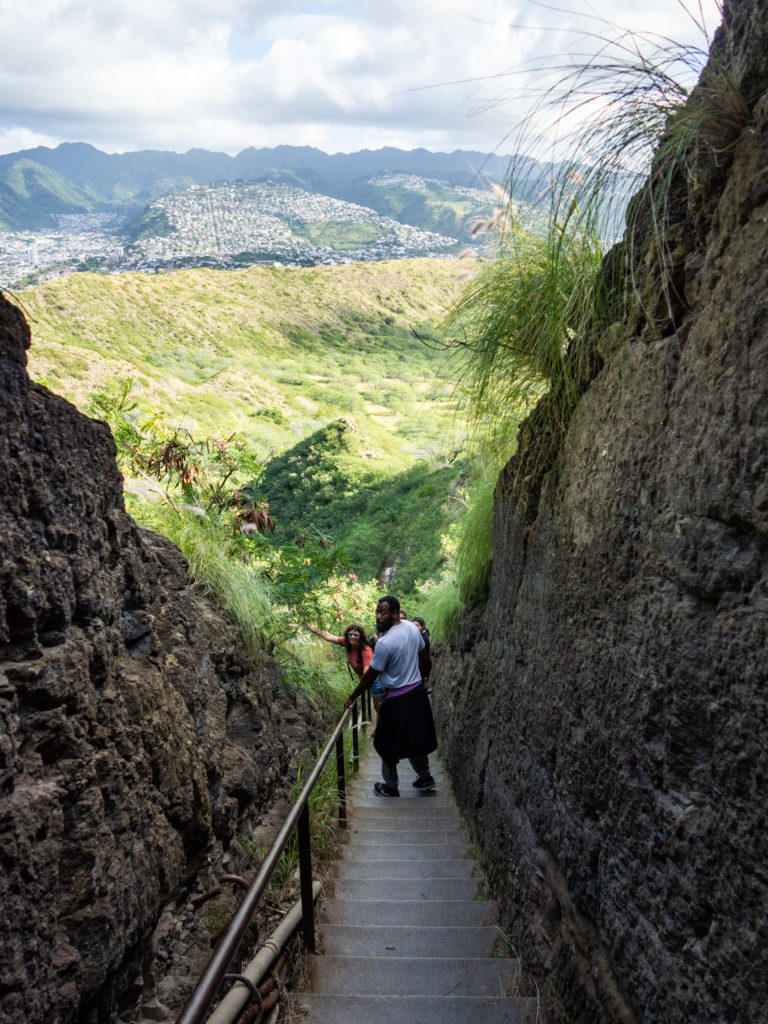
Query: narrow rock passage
[(403, 936)]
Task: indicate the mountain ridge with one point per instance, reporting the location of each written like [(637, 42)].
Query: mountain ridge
[(126, 182)]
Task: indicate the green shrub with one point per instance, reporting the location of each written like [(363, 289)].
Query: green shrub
[(271, 414)]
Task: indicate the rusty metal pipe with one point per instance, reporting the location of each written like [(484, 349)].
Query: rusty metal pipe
[(238, 996), (236, 879), (256, 1013), (198, 901)]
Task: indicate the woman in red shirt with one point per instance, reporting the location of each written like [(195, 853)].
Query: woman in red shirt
[(359, 651)]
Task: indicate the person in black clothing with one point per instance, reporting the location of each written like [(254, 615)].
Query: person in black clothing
[(422, 627)]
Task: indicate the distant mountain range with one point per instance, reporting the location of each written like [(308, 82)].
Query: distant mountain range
[(38, 185)]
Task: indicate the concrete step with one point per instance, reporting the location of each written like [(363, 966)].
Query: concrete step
[(366, 784), (395, 1009), (399, 826), (439, 913), (403, 852), (434, 817), (409, 800), (424, 834), (405, 778), (421, 868), (403, 889), (395, 809), (478, 976), (407, 941)]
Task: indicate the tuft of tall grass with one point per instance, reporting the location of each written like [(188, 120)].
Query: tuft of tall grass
[(242, 590), (633, 113), (514, 322), (441, 606), (239, 589), (324, 684), (474, 550)]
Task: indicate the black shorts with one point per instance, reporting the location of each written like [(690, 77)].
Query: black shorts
[(405, 727)]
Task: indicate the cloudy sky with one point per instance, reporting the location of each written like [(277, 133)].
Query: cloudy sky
[(341, 75)]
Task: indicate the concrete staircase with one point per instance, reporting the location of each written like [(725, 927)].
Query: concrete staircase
[(404, 939)]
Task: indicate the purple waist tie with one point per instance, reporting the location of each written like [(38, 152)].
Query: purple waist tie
[(400, 691)]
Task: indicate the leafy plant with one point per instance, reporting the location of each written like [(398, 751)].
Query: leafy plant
[(201, 471), (194, 491)]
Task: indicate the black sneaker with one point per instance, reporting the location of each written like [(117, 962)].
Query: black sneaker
[(382, 789), (426, 783)]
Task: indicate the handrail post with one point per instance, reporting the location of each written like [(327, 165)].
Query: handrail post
[(355, 752), (341, 782), (305, 881)]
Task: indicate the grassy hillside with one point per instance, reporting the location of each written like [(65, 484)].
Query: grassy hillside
[(318, 369), (273, 353), (382, 520)]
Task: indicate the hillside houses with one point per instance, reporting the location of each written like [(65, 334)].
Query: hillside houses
[(225, 225)]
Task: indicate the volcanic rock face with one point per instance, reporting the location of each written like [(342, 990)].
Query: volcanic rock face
[(605, 713), (135, 741)]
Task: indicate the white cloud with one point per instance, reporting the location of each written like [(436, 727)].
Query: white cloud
[(14, 139), (226, 74)]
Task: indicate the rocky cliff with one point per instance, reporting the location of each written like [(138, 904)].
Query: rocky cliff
[(135, 740), (604, 715)]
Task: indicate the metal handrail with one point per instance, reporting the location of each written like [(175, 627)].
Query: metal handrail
[(204, 991)]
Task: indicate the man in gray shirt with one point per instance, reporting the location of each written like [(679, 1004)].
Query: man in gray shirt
[(405, 727)]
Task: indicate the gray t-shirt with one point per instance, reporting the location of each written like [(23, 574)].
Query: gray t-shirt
[(396, 655)]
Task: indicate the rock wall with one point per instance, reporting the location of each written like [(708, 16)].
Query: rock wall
[(604, 715), (135, 740)]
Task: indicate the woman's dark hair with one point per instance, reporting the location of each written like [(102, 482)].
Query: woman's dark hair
[(363, 636), (418, 618)]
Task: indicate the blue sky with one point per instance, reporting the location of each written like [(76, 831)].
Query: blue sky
[(339, 75)]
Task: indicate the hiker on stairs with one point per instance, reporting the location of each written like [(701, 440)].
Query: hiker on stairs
[(405, 727), (358, 647)]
